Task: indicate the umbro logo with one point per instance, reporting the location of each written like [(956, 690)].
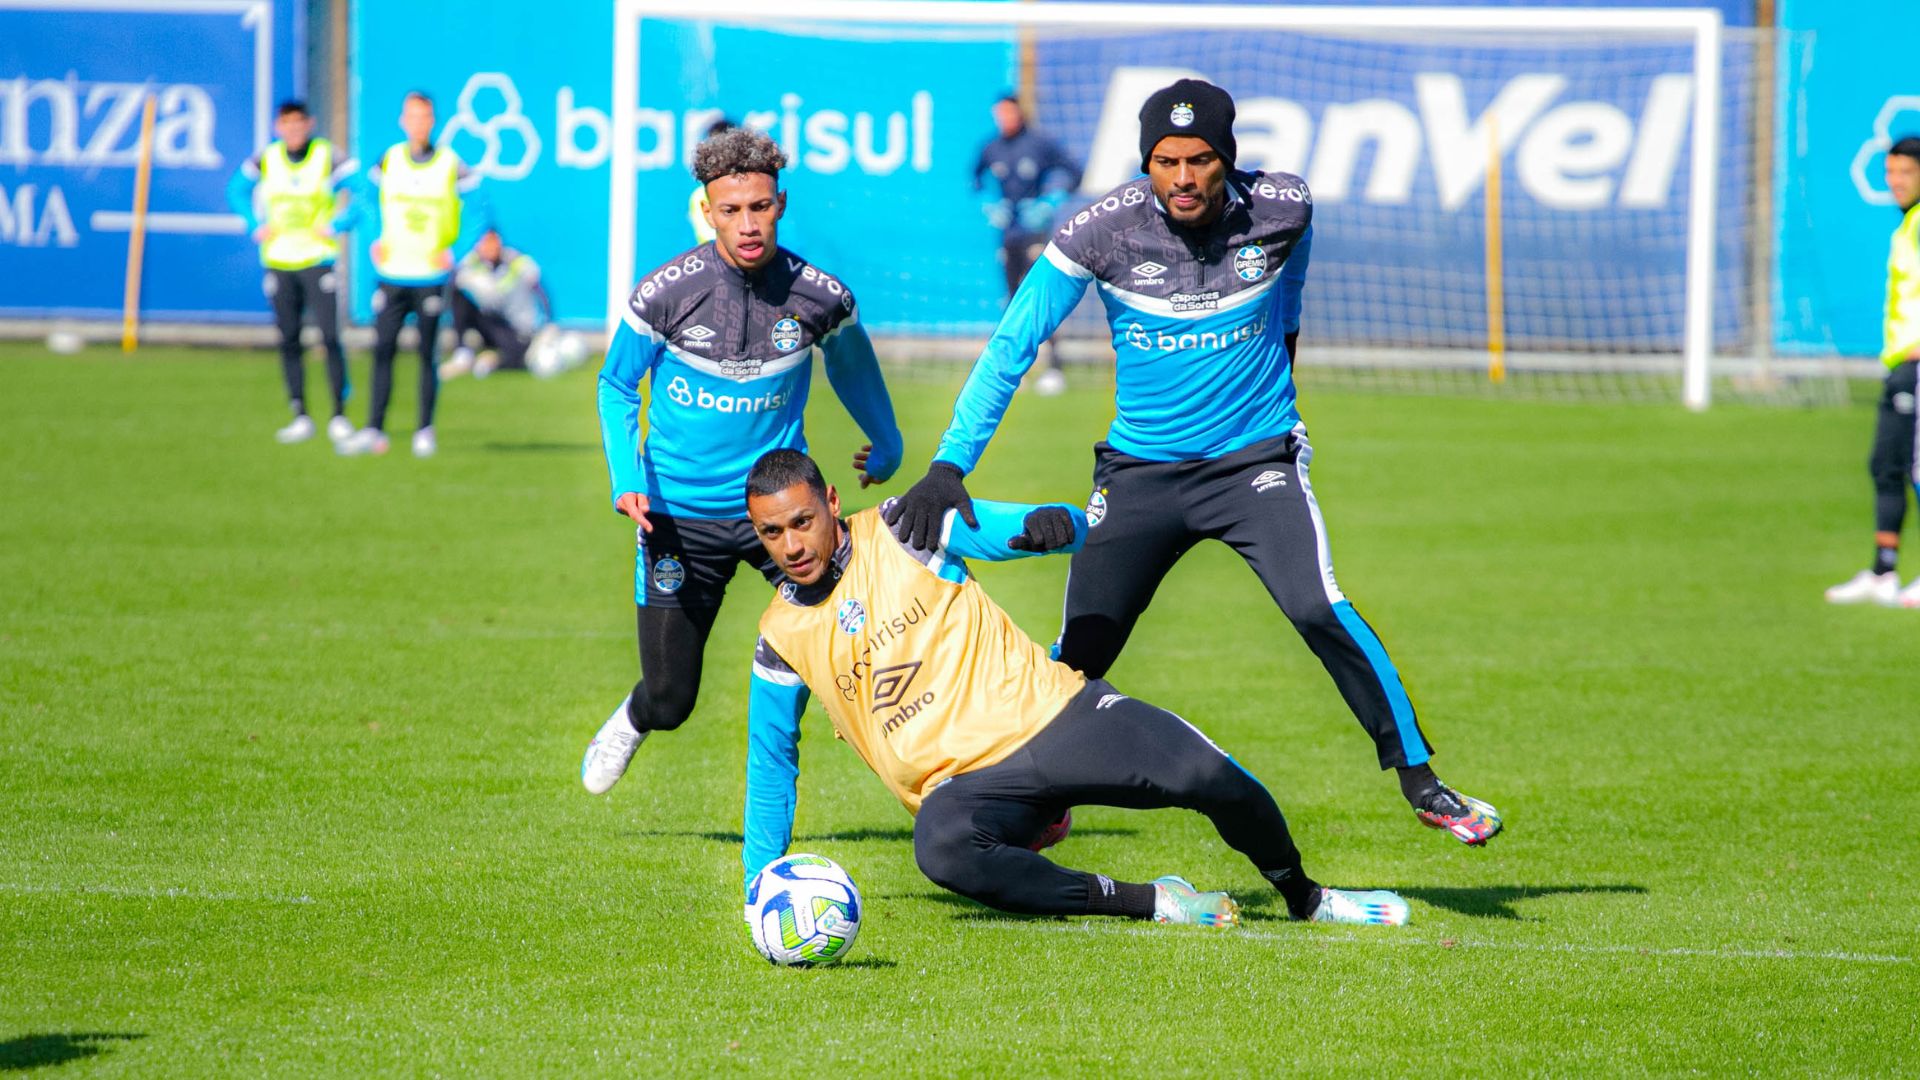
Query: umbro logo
[(697, 333), (1149, 273), (1269, 480)]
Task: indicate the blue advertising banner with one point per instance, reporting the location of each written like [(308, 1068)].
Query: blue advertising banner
[(1849, 86), (73, 80), (1396, 134), (882, 126), (880, 133)]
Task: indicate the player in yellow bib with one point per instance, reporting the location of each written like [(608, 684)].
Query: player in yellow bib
[(972, 726), (287, 196), (419, 195), (1895, 461)]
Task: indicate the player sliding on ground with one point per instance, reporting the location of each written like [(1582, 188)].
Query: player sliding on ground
[(971, 725), (726, 332), (1200, 268)]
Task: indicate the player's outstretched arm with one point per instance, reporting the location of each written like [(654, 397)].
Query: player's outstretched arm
[(1051, 290), (1016, 531), (854, 372), (775, 701), (630, 358)]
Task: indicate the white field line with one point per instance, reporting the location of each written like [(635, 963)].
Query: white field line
[(1389, 937), (150, 891)]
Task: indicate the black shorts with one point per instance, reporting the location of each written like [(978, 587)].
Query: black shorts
[(1895, 433), (687, 562)]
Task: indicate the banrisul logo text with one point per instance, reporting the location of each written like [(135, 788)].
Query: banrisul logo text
[(504, 134)]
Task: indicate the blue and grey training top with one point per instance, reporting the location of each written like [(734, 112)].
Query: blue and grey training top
[(731, 358), (1199, 320)]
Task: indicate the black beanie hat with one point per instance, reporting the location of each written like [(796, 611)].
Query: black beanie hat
[(1188, 107)]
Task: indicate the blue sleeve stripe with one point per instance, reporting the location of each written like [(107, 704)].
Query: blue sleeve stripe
[(1412, 743)]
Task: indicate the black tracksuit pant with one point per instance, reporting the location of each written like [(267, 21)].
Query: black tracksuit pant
[(1144, 515), (973, 832)]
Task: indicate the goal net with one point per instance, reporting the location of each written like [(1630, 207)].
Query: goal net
[(1513, 201)]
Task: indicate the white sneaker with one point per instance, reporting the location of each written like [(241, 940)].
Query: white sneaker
[(338, 429), (486, 363), (457, 365), (299, 431), (423, 444), (1376, 908), (605, 761), (365, 441), (1867, 587), (1051, 383), (1910, 596)]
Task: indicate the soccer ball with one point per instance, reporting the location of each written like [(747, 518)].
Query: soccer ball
[(555, 350), (803, 910)]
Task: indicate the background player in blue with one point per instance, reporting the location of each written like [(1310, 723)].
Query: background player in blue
[(1024, 177), (726, 332), (1200, 269)]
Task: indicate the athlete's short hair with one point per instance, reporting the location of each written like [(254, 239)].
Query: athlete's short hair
[(292, 107), (737, 150), (420, 96), (1907, 147), (778, 470)]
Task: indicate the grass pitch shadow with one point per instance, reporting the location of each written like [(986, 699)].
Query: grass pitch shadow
[(1496, 901), (841, 836), (59, 1047)]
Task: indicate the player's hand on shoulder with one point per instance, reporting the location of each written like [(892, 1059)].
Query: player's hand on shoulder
[(1048, 528), (634, 505), (919, 516)]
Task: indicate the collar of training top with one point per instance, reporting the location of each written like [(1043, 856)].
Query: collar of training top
[(811, 595)]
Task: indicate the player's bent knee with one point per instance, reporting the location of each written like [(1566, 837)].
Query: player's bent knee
[(669, 702)]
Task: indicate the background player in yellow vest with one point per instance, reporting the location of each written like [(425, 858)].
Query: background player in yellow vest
[(288, 198), (971, 725), (1893, 462), (422, 198)]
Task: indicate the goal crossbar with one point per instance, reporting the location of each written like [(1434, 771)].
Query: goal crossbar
[(1703, 25)]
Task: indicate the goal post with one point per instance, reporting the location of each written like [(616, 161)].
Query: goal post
[(1688, 351)]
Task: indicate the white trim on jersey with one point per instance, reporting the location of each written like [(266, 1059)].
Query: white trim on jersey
[(707, 365), (777, 677), (1064, 263), (1163, 307), (1321, 550)]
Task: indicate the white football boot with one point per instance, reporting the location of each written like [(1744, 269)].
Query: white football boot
[(1175, 900), (605, 761), (1909, 597), (1867, 587), (460, 363), (1050, 383), (299, 431), (339, 429), (365, 441), (1376, 908), (423, 443)]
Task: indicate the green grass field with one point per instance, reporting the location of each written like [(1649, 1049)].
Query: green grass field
[(289, 749)]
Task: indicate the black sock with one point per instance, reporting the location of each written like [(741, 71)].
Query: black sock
[(1106, 896), (1417, 782), (1301, 892), (1885, 559)]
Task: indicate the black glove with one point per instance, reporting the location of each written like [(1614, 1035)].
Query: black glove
[(1049, 528), (919, 516)]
